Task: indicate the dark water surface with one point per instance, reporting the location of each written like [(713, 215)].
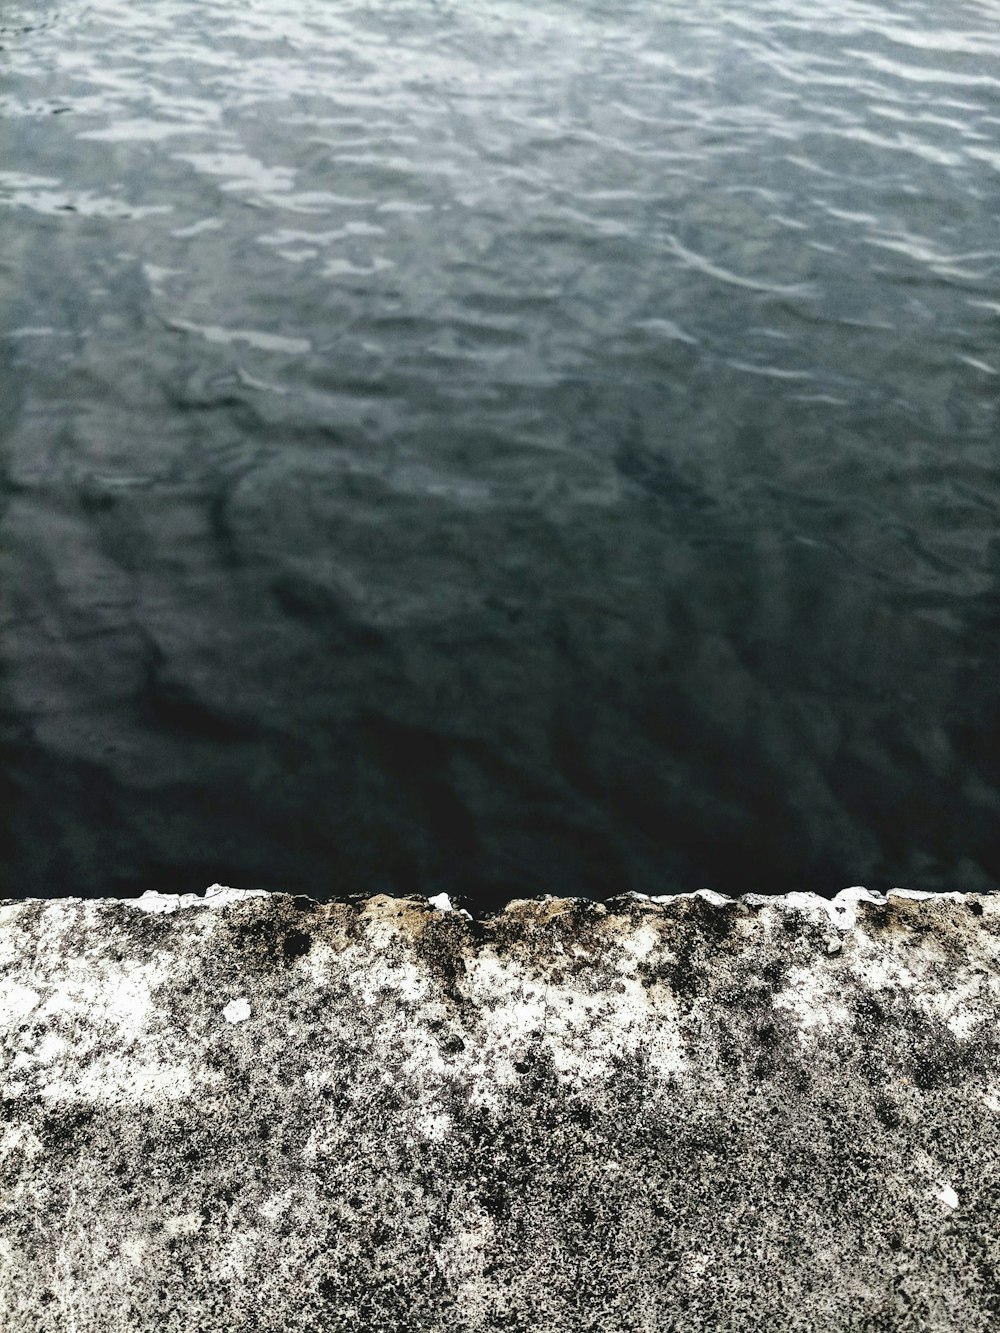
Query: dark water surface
[(499, 447)]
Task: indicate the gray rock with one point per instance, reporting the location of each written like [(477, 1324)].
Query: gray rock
[(256, 1113)]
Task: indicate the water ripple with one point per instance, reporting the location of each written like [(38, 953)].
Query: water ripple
[(439, 438)]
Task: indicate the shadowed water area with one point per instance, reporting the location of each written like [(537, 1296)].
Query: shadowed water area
[(499, 447)]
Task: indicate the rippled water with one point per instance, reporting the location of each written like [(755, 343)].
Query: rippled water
[(499, 447)]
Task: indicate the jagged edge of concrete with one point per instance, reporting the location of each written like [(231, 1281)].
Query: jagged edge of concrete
[(842, 908)]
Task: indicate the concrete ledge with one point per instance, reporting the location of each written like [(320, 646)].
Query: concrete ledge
[(691, 1113)]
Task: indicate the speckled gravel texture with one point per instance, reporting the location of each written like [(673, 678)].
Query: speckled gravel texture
[(254, 1113)]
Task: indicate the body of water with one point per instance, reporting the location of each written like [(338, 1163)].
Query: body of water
[(499, 448)]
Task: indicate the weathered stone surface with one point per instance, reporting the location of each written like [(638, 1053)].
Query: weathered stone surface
[(256, 1113)]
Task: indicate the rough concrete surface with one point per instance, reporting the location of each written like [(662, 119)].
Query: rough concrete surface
[(255, 1113)]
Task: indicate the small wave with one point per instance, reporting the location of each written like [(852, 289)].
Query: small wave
[(37, 193), (770, 372), (920, 73), (666, 328), (264, 342), (19, 20), (712, 270), (976, 364)]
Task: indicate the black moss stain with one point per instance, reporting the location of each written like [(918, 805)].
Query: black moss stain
[(443, 942), (694, 933), (715, 921), (134, 927), (30, 913), (924, 1051), (912, 920), (270, 933), (296, 944), (887, 1113), (64, 1129)]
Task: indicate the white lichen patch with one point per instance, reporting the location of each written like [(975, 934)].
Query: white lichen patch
[(50, 1049), (638, 944), (184, 1224), (585, 1034), (216, 895), (813, 998), (19, 1140), (133, 1249), (96, 1034), (237, 1011), (277, 1205), (948, 1197), (465, 1255), (433, 1127), (109, 1080), (16, 1001), (965, 1005), (119, 999)]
